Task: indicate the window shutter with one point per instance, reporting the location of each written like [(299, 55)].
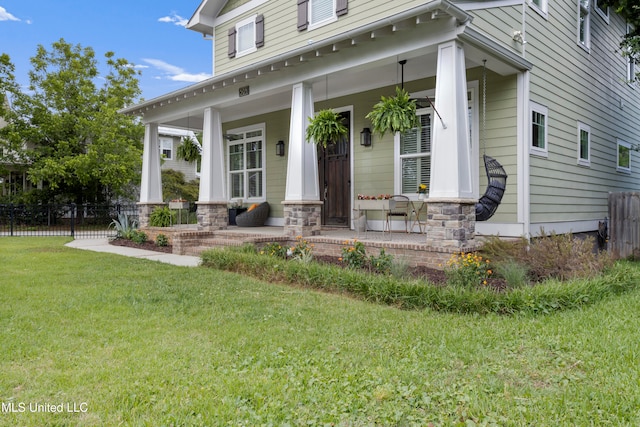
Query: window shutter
[(232, 42), (260, 31), (342, 7), (303, 15)]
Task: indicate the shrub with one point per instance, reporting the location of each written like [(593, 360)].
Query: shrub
[(563, 257), (301, 251), (547, 297), (162, 240), (382, 263), (550, 256), (354, 254), (124, 226), (513, 272), (274, 249), (160, 217), (138, 236), (467, 270)]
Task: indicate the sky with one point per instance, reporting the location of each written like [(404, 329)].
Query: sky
[(149, 34)]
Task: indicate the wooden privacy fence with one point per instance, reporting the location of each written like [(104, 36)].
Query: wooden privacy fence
[(624, 224)]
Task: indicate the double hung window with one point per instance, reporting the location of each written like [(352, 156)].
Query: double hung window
[(415, 155), (539, 127), (166, 148), (246, 164)]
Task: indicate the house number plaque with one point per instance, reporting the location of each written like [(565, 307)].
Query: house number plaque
[(243, 91)]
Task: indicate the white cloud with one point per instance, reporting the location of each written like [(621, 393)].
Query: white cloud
[(6, 16), (174, 18), (175, 73)]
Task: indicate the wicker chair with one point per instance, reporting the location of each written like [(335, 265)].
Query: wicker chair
[(255, 217)]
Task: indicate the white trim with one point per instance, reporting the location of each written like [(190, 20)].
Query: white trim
[(238, 11), (586, 128), (166, 143), (333, 18), (490, 4), (542, 10), (258, 126), (502, 229), (524, 159), (619, 168), (349, 108), (586, 44), (247, 21), (603, 15), (540, 109), (564, 227)]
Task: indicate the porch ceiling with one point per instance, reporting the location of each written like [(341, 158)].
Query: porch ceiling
[(335, 68)]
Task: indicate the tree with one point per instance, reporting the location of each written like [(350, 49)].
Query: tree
[(630, 11), (66, 129)]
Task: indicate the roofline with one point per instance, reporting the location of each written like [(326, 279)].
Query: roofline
[(442, 5)]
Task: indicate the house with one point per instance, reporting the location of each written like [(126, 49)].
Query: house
[(13, 175), (539, 85), (169, 139)]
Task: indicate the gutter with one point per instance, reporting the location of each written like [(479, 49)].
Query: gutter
[(443, 5)]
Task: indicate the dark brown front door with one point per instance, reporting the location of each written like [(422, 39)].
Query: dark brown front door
[(335, 179)]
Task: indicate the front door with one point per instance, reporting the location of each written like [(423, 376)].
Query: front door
[(335, 178)]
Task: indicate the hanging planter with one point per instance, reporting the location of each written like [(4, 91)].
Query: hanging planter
[(394, 114), (326, 128), (189, 150)]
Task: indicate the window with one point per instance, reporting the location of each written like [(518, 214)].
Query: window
[(246, 37), (584, 144), (245, 157), (602, 10), (584, 24), (624, 156), (166, 148), (316, 13), (540, 6), (539, 127), (415, 155)]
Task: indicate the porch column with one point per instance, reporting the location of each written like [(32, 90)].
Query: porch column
[(451, 203), (302, 205), (212, 201), (151, 181)]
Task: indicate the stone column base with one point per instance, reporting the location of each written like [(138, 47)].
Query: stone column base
[(212, 216), (144, 212), (451, 224), (302, 218)]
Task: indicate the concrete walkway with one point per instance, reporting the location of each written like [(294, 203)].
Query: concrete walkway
[(102, 245)]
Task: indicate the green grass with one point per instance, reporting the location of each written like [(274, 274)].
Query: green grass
[(149, 344)]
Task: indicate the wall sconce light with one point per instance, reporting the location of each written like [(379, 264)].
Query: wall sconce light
[(280, 148), (365, 137)]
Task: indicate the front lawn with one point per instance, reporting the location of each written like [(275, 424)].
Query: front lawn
[(124, 341)]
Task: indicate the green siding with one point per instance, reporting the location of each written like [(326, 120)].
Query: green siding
[(282, 35), (576, 85)]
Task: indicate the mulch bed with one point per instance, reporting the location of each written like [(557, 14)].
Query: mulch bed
[(149, 245), (437, 277)]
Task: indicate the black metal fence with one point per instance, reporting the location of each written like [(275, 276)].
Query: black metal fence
[(78, 221)]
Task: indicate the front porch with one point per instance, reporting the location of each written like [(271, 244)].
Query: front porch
[(410, 247)]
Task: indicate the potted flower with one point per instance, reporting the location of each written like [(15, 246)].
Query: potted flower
[(422, 191), (326, 128), (394, 114)]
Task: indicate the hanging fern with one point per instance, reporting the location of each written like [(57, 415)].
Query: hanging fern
[(394, 114), (189, 150), (326, 128)]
